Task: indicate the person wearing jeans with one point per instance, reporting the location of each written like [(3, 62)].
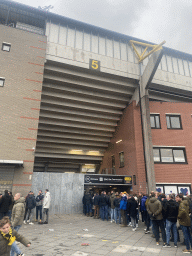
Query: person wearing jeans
[(132, 209), (184, 221), (14, 247), (46, 206), (171, 212), (154, 209), (117, 208), (112, 198)]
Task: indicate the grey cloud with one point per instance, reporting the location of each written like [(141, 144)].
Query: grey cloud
[(118, 16)]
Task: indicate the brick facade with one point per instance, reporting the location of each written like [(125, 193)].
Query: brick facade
[(173, 173), (129, 130), (22, 69)]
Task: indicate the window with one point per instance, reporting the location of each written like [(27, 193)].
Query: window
[(155, 121), (121, 159), (173, 122), (134, 180), (169, 155), (2, 81), (113, 161), (6, 47)]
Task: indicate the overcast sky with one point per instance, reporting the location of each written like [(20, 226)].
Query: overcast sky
[(151, 20)]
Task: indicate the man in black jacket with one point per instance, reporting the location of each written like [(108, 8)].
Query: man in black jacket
[(96, 206), (104, 202), (132, 209), (171, 212), (116, 203), (30, 205), (5, 202)]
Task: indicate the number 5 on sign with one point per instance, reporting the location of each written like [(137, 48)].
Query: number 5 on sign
[(94, 64)]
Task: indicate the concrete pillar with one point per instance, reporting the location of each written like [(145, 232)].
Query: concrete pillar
[(145, 80)]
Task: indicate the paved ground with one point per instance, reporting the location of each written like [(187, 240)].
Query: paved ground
[(64, 235)]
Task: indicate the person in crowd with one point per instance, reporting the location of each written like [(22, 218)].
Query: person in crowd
[(128, 216), (137, 218), (184, 221), (26, 210), (46, 206), (163, 200), (9, 236), (112, 198), (30, 205), (17, 220), (123, 208), (84, 204), (190, 209), (116, 203), (104, 203), (11, 205), (132, 210), (145, 214), (140, 196), (96, 205), (88, 203), (39, 205), (154, 209), (5, 203), (170, 213)]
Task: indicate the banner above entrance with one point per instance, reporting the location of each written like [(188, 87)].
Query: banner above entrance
[(107, 179)]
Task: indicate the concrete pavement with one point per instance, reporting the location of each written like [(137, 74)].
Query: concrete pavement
[(65, 233)]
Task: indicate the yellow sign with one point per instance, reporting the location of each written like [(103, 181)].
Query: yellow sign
[(94, 64), (128, 180)]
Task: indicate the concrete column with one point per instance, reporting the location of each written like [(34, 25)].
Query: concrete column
[(148, 145), (145, 80)]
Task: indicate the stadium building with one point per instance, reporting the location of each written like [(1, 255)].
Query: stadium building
[(72, 115)]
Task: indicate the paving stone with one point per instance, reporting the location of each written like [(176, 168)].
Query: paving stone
[(104, 238)]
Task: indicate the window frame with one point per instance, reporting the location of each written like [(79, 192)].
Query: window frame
[(172, 149), (170, 116), (2, 79), (121, 164), (155, 115), (6, 44)]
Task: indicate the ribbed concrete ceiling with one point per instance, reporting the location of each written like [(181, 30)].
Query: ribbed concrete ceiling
[(79, 112)]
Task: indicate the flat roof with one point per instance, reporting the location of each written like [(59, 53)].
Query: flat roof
[(44, 15)]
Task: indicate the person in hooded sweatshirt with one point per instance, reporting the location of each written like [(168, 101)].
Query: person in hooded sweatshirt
[(154, 209), (18, 212)]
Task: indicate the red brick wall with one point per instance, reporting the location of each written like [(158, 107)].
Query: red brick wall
[(173, 173), (130, 132)]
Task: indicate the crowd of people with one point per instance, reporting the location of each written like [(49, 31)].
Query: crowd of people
[(14, 211), (165, 214)]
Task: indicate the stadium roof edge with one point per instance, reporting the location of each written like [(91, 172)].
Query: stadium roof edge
[(97, 30)]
